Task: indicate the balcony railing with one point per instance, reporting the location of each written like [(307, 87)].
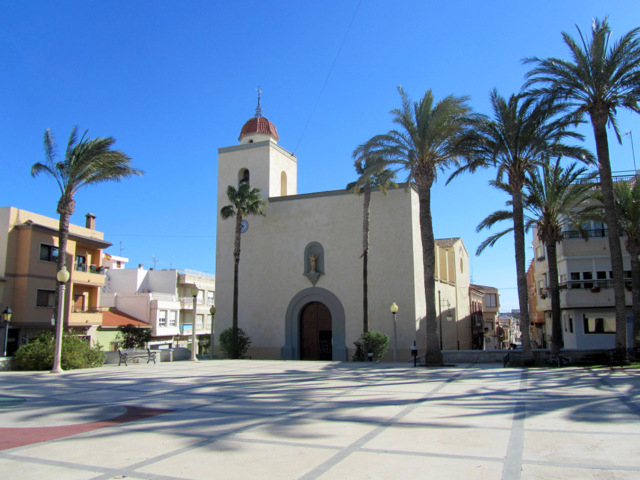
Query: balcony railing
[(86, 310), (593, 285), (90, 269)]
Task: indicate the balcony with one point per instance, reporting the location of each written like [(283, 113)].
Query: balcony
[(591, 293), (89, 316), (89, 275)]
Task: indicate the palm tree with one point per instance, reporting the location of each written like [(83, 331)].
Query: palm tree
[(556, 197), (553, 197), (600, 78), (522, 135), (86, 162), (372, 174), (627, 197), (245, 201), (426, 141)]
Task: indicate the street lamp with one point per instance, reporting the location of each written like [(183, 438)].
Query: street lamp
[(212, 310), (63, 277), (6, 318), (633, 151), (394, 310), (194, 294)]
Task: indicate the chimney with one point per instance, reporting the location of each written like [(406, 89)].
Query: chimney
[(140, 267), (91, 221)]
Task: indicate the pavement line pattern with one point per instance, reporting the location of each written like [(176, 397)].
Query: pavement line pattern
[(513, 461), (282, 420), (358, 444)]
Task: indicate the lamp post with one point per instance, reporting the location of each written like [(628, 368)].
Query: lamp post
[(63, 277), (6, 318), (212, 310), (633, 151), (394, 310), (194, 294)]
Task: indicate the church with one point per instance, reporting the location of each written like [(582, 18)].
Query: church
[(300, 273)]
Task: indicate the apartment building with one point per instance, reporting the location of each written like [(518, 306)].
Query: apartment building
[(28, 256), (490, 297), (163, 300)]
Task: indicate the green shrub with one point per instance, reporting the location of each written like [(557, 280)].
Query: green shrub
[(131, 337), (76, 353), (374, 342), (229, 346)]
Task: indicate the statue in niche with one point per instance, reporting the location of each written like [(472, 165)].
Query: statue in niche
[(313, 257)]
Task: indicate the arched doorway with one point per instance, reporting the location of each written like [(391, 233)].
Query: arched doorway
[(315, 332)]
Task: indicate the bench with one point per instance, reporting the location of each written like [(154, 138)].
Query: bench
[(126, 355)]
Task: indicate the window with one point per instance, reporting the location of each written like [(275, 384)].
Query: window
[(173, 318), (599, 325), (491, 300), (199, 320), (243, 176), (575, 279), (81, 263), (162, 318), (210, 297), (570, 324), (587, 276), (601, 275), (540, 253), (45, 298), (283, 184), (48, 253)]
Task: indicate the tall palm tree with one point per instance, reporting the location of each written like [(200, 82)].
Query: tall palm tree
[(627, 198), (427, 141), (245, 201), (521, 136), (599, 78), (86, 162), (555, 197), (373, 174)]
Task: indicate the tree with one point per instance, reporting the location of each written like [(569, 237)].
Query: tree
[(245, 201), (600, 78), (372, 174), (627, 198), (427, 141), (86, 162), (521, 136), (553, 197), (131, 337)]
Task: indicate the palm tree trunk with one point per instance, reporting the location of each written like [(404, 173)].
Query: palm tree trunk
[(365, 259), (523, 294), (635, 292), (554, 287), (236, 264), (434, 354), (599, 122)]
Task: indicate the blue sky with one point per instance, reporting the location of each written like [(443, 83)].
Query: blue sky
[(173, 81)]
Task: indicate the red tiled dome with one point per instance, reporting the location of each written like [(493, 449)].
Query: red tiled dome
[(259, 125)]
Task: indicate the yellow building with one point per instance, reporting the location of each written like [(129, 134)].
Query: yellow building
[(28, 255)]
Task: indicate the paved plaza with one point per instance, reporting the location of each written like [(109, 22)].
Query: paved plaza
[(268, 420)]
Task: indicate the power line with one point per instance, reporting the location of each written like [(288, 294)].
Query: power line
[(326, 80)]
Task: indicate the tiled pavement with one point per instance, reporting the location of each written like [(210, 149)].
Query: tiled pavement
[(319, 420)]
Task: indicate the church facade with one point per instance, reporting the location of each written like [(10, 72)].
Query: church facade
[(300, 272)]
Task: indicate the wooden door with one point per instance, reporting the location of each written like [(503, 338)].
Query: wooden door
[(315, 332)]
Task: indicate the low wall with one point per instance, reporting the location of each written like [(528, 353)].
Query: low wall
[(540, 356), (163, 355)]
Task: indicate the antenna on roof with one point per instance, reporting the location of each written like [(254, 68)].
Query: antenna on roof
[(258, 108)]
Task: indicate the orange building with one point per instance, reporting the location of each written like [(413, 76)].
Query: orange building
[(28, 255)]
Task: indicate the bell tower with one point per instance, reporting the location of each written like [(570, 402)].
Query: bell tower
[(259, 160)]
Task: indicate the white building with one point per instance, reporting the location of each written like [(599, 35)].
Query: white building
[(162, 299), (295, 308), (586, 289)]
